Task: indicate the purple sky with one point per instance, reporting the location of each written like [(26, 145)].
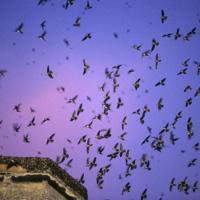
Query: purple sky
[(134, 22)]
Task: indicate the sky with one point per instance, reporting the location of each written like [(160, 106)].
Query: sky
[(116, 29)]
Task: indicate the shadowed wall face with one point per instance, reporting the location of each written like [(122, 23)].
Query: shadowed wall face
[(27, 190)]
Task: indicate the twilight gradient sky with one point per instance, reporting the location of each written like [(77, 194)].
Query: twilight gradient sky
[(26, 57)]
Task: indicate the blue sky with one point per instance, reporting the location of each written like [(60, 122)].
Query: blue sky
[(26, 57)]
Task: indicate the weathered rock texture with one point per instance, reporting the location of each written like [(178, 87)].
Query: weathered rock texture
[(37, 179)]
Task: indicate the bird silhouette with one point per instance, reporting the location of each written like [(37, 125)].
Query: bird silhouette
[(88, 6), (172, 184), (126, 188), (16, 127), (87, 36), (50, 72), (163, 17), (26, 138), (161, 82), (42, 36), (43, 24), (85, 67), (137, 84), (177, 34), (50, 139), (19, 28), (157, 60), (32, 122), (155, 43), (2, 72), (17, 107), (143, 195), (46, 119), (77, 22)]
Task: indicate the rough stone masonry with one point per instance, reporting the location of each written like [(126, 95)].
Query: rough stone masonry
[(33, 178)]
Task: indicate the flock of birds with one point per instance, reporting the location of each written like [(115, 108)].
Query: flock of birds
[(156, 142)]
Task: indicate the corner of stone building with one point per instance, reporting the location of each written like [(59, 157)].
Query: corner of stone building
[(29, 178)]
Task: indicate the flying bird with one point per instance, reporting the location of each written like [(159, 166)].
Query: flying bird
[(196, 146), (119, 103), (100, 150), (126, 188), (102, 87), (188, 87), (172, 138), (157, 60), (68, 3), (82, 139), (50, 139), (2, 72), (1, 122), (146, 140), (88, 6), (116, 35), (43, 24), (115, 85), (188, 102), (87, 36), (124, 123), (42, 2), (73, 99), (197, 93), (168, 35), (74, 116), (190, 34), (155, 43), (185, 62), (121, 136), (17, 107), (50, 72), (32, 110), (81, 180), (137, 84), (77, 22), (177, 34), (91, 163), (32, 122), (137, 47), (26, 138), (131, 71), (66, 42), (85, 67), (192, 162), (16, 127), (80, 109), (19, 28), (143, 194), (161, 82), (183, 71), (160, 104), (69, 163), (88, 145), (45, 120), (194, 186), (146, 53), (172, 184), (42, 36), (163, 17)]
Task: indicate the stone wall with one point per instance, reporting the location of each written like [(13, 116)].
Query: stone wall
[(37, 179), (28, 190)]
